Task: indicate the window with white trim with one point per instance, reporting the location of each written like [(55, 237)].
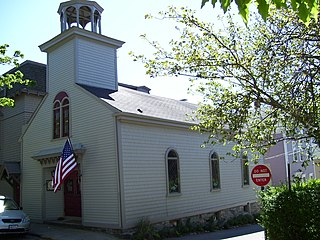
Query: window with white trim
[(173, 172), (61, 115)]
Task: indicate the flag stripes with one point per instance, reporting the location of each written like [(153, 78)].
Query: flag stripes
[(66, 164)]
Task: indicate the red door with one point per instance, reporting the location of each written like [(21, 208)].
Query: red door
[(72, 195)]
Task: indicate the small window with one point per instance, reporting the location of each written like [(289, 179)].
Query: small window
[(245, 170), (173, 172), (61, 115), (214, 171)]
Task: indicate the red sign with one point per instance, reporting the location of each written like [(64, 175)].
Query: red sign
[(261, 175)]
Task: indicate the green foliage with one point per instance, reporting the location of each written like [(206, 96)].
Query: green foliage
[(240, 220), (305, 9), (291, 214), (9, 80), (256, 80), (145, 231)]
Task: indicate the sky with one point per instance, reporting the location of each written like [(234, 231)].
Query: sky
[(27, 24)]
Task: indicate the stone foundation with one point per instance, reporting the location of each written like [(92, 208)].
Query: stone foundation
[(221, 216)]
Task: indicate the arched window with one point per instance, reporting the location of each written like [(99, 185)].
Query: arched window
[(173, 172), (214, 171), (61, 115)]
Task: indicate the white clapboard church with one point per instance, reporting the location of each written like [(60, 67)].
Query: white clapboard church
[(137, 157)]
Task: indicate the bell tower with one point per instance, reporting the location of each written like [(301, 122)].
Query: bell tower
[(80, 53), (80, 13)]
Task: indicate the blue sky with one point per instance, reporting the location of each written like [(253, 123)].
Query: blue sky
[(27, 24)]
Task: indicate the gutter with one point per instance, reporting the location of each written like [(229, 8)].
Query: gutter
[(132, 117)]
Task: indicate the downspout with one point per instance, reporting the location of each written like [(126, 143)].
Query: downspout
[(286, 157), (120, 182)]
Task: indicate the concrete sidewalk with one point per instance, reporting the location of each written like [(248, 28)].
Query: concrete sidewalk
[(59, 232)]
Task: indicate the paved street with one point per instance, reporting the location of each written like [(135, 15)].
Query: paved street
[(52, 232), (19, 237), (250, 232)]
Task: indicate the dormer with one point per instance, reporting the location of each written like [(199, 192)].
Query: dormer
[(80, 53)]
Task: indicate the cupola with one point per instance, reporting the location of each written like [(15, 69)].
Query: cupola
[(82, 14), (80, 53)]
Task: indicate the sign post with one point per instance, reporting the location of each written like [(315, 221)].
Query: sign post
[(261, 175)]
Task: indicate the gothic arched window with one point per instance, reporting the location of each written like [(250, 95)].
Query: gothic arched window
[(215, 171), (61, 115), (173, 171)]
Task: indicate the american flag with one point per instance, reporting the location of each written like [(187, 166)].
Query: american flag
[(66, 164)]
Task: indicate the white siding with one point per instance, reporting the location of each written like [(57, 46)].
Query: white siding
[(61, 68), (91, 125), (144, 175), (53, 203), (11, 125), (37, 138), (96, 65)]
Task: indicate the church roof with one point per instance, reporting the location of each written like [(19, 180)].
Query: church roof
[(130, 101), (31, 70)]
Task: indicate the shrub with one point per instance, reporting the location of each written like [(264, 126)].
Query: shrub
[(145, 231), (291, 214), (239, 220)]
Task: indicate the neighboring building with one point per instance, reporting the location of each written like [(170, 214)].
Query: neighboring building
[(288, 156), (317, 162), (12, 122), (137, 157)]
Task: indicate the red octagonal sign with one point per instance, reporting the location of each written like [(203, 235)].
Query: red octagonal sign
[(261, 175)]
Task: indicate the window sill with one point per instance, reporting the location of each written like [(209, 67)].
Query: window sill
[(169, 195), (246, 186), (215, 190)]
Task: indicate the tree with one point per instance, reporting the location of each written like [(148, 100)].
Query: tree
[(305, 9), (7, 80), (256, 81)]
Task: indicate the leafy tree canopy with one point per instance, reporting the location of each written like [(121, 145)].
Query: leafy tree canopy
[(256, 81), (305, 9), (7, 80)]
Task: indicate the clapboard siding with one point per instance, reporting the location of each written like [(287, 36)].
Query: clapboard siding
[(144, 174), (36, 138), (11, 133), (52, 199), (93, 72), (61, 69), (99, 164), (31, 103), (94, 127), (11, 125)]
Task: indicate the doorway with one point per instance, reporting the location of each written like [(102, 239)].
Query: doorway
[(72, 195)]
